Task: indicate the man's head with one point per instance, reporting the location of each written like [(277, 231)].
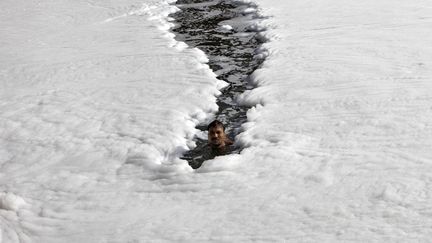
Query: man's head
[(216, 134)]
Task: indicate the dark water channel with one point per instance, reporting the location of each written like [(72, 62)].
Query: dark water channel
[(232, 56)]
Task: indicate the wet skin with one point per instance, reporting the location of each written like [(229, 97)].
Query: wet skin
[(217, 138)]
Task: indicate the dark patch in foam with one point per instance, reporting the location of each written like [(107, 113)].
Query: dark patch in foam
[(231, 53)]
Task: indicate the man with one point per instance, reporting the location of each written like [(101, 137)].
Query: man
[(217, 139), (218, 144)]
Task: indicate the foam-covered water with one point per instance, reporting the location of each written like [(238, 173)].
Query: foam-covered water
[(98, 102)]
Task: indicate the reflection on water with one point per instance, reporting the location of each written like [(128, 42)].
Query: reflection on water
[(231, 51)]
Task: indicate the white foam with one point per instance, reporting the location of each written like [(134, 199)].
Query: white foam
[(95, 114), (332, 80), (10, 201), (96, 98), (226, 27), (249, 10)]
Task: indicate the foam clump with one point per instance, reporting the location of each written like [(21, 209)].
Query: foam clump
[(225, 163), (226, 27), (200, 55), (10, 201), (249, 10)]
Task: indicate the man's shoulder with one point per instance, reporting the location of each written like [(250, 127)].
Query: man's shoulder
[(229, 142)]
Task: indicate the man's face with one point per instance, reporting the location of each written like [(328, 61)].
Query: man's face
[(216, 136)]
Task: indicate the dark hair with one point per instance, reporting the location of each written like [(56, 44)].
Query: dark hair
[(216, 123)]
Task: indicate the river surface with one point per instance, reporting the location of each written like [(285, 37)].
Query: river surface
[(225, 32)]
